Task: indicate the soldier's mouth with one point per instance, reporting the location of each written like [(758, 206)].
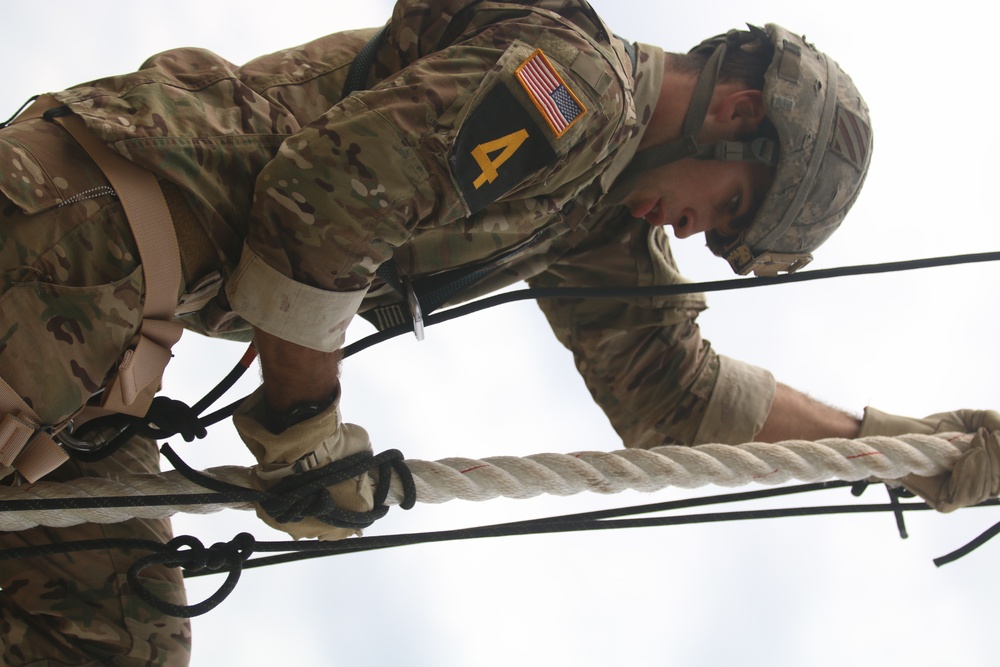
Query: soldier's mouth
[(656, 216)]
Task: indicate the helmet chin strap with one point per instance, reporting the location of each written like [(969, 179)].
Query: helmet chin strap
[(687, 144), (761, 150)]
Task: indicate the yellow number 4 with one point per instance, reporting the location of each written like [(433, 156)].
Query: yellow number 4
[(482, 152)]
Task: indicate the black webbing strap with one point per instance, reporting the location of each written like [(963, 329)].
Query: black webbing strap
[(357, 75), (630, 50), (400, 313)]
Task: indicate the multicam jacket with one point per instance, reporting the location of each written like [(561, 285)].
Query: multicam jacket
[(486, 134)]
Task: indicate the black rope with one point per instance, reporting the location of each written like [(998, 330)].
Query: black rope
[(110, 502), (18, 112), (305, 495), (226, 384), (185, 551), (985, 537), (605, 520), (667, 290), (166, 417), (233, 557), (897, 510), (189, 553), (292, 499)]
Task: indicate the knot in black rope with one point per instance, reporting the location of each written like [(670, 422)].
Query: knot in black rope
[(306, 495), (189, 553), (103, 436), (167, 416)]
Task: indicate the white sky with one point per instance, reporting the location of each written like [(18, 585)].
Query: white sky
[(791, 592)]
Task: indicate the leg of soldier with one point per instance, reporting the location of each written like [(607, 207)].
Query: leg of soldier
[(70, 303), (77, 609)]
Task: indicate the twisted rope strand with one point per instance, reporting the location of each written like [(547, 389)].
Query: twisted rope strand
[(555, 474)]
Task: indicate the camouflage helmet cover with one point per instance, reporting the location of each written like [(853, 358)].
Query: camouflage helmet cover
[(825, 146)]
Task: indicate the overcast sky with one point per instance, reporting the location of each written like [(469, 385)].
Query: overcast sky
[(816, 591)]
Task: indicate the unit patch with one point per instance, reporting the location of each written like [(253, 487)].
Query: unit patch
[(499, 145), (852, 138), (554, 99)]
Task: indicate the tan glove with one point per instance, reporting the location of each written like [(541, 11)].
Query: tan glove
[(313, 443), (976, 474)]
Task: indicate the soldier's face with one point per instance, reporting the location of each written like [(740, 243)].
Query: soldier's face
[(695, 196)]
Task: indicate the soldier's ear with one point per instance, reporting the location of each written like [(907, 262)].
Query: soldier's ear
[(739, 113)]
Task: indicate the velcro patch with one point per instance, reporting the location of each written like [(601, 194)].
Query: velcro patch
[(555, 100), (498, 146)]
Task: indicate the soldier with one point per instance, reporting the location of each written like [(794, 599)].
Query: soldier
[(463, 155)]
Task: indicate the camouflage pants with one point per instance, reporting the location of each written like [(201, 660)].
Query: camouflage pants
[(70, 304), (76, 609)]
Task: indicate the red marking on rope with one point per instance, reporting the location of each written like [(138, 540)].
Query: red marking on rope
[(767, 475), (485, 465), (861, 456)]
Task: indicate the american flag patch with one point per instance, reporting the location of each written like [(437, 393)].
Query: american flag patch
[(560, 107), (852, 138)]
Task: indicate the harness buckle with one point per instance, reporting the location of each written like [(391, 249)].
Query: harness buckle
[(29, 447)]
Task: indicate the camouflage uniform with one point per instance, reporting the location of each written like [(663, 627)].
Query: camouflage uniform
[(72, 299), (453, 155)]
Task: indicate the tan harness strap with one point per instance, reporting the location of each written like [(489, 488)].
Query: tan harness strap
[(24, 444), (140, 370)]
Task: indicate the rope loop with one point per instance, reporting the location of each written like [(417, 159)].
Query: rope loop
[(389, 461), (306, 495), (189, 553)]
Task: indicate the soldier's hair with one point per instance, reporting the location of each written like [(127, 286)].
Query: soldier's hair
[(748, 56)]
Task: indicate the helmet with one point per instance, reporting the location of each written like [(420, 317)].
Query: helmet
[(821, 157)]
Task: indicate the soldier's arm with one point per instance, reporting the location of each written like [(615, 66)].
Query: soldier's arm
[(294, 374), (793, 415), (648, 367), (644, 360), (418, 151)]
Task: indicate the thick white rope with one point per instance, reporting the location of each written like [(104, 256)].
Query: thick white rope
[(556, 474)]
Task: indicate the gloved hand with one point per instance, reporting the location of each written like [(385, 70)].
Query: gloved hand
[(976, 474), (313, 443)]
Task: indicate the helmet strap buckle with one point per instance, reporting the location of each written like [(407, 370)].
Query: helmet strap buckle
[(768, 263)]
